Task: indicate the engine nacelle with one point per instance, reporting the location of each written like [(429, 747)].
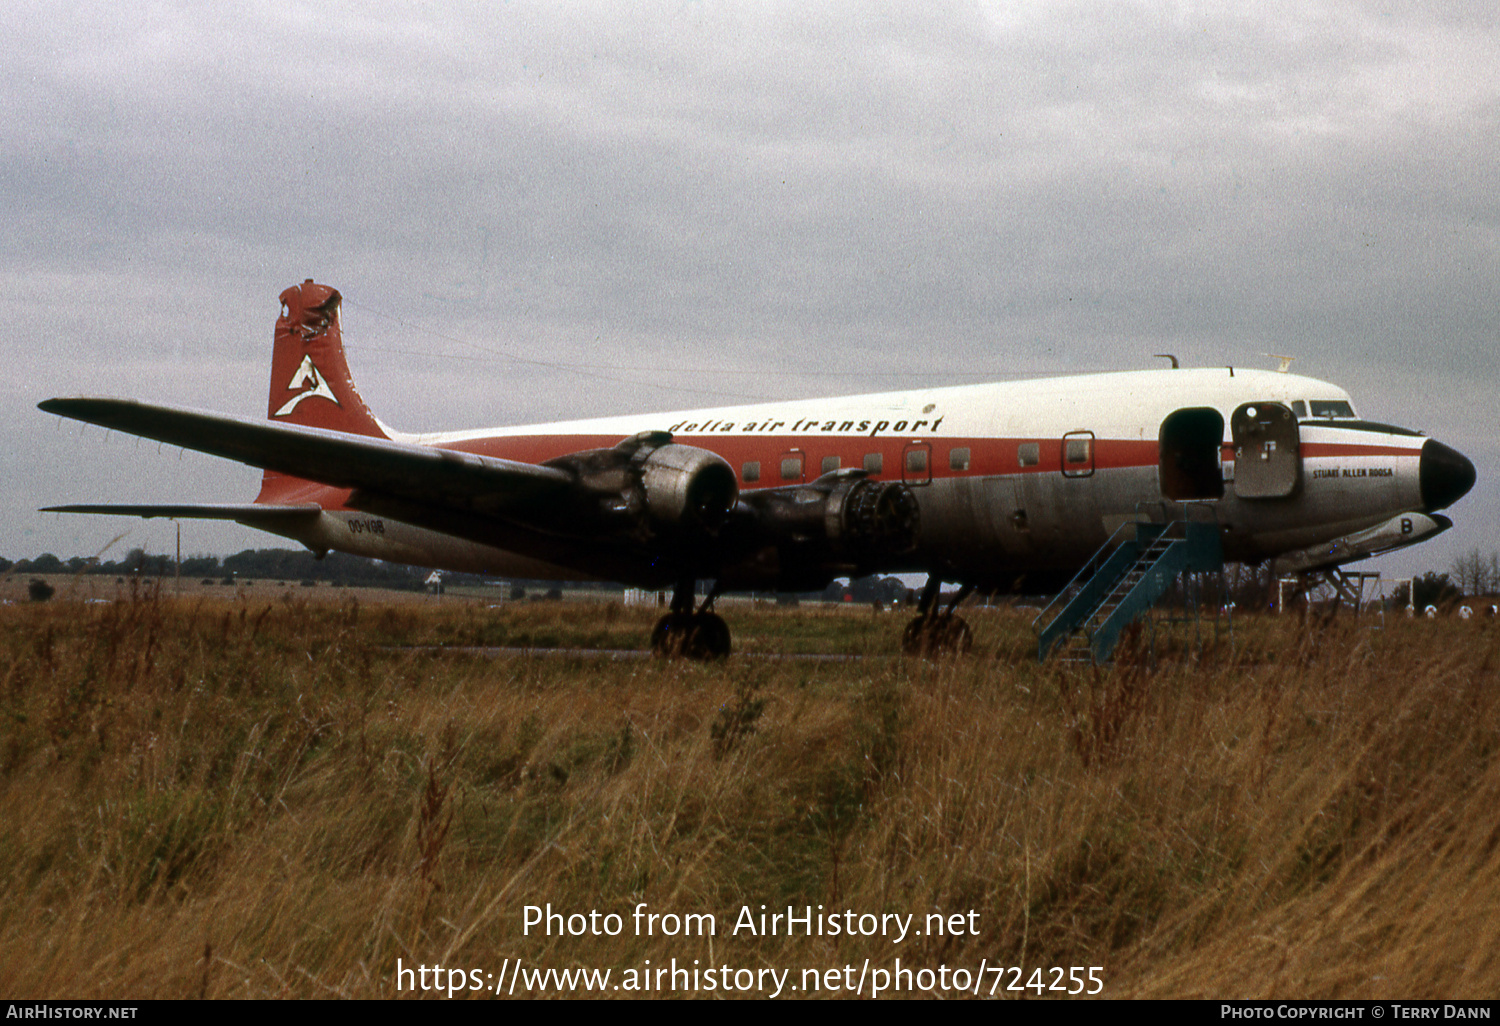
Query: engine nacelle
[(841, 524), (687, 488), (646, 487)]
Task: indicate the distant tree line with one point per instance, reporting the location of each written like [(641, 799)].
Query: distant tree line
[(251, 564), (344, 570), (1474, 573), (866, 591), (1431, 589)]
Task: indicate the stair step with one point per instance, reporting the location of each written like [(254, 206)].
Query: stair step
[(1132, 572)]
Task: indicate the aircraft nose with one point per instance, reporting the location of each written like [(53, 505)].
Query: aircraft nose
[(1446, 475)]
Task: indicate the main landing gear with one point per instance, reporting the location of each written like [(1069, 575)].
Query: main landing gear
[(937, 633), (688, 633)]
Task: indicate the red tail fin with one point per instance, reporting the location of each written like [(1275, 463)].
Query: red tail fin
[(310, 382)]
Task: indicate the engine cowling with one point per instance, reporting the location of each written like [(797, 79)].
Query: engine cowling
[(687, 488), (647, 487)]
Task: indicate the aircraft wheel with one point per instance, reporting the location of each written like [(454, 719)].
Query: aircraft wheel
[(914, 638), (711, 638), (670, 634), (936, 637), (691, 636), (957, 637)]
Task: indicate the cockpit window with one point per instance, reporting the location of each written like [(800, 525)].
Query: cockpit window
[(1332, 408), (1299, 408)]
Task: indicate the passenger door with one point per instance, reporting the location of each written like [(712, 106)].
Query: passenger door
[(1190, 445), (916, 464), (1267, 451), (1078, 454)]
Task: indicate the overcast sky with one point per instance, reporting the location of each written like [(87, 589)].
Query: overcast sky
[(543, 210)]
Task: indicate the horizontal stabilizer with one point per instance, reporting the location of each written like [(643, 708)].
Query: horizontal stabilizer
[(373, 465), (242, 511)]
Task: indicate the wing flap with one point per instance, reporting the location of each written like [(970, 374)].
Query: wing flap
[(421, 473)]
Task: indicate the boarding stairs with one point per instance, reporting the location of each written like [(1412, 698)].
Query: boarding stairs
[(1120, 584)]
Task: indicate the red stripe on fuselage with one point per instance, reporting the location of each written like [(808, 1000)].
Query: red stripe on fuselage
[(988, 457), (1333, 450)]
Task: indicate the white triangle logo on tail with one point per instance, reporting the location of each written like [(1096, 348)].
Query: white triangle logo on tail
[(312, 383)]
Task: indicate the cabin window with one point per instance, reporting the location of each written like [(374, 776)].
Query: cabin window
[(750, 471), (958, 459), (916, 461), (791, 468), (872, 463), (1029, 454), (1299, 408), (1331, 408), (830, 464)]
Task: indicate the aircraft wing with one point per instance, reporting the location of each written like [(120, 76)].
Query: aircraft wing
[(197, 510), (646, 509), (400, 470), (252, 513)]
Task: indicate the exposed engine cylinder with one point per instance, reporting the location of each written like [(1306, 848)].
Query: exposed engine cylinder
[(841, 525), (687, 487), (875, 519), (845, 517)]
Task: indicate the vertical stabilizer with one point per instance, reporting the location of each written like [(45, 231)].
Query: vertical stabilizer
[(310, 382)]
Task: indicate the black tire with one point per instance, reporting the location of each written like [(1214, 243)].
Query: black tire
[(957, 637), (711, 639), (691, 636), (914, 640), (937, 637), (670, 635)]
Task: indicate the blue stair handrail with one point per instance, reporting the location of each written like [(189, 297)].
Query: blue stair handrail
[(1189, 547), (1073, 605)]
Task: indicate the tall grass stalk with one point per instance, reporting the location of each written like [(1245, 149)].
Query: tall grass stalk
[(208, 798)]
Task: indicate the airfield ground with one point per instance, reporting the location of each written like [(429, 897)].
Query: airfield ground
[(302, 793)]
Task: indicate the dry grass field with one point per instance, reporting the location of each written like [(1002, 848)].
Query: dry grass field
[(275, 796)]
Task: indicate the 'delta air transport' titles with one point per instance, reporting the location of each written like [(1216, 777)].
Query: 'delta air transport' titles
[(1000, 487)]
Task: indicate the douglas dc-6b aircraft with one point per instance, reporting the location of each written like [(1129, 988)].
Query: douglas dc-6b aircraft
[(1004, 487)]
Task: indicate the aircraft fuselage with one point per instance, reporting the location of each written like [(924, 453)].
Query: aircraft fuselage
[(1017, 483)]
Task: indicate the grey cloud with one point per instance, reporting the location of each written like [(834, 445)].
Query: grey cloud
[(824, 191)]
